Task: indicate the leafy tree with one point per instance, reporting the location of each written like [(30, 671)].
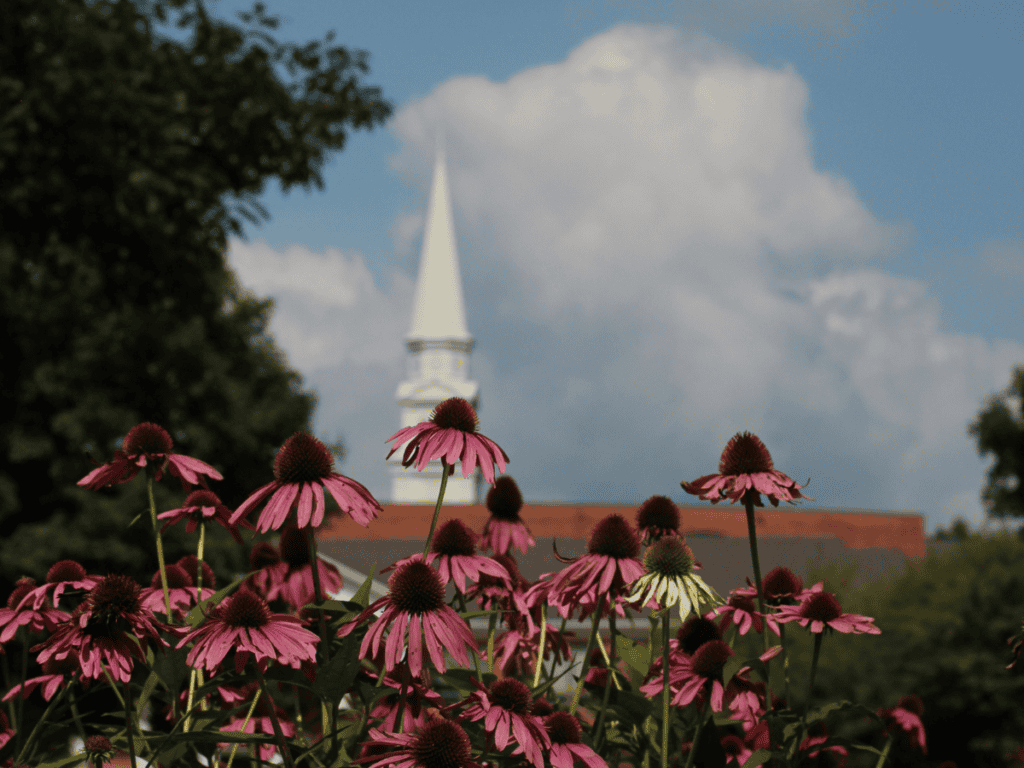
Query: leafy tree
[(945, 624), (120, 154), (999, 431)]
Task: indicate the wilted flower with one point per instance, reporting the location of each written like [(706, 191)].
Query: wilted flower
[(670, 580), (505, 527)]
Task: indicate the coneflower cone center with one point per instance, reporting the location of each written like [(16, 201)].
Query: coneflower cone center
[(504, 499), (25, 585), (190, 563), (709, 660), (416, 588), (294, 547), (696, 631), (745, 455), (781, 583), (147, 438), (98, 746), (201, 499), (454, 538), (263, 555), (670, 557), (302, 459), (742, 602), (65, 570), (658, 512), (115, 597), (442, 744), (563, 728), (614, 537), (455, 413), (177, 578), (511, 694), (247, 609), (821, 607)]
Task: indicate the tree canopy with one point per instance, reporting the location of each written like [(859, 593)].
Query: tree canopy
[(125, 159), (999, 431)]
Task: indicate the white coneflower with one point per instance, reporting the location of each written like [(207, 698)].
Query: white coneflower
[(669, 578)]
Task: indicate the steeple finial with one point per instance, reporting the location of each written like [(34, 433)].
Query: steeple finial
[(438, 307)]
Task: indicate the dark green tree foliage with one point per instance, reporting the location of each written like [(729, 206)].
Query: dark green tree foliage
[(999, 431), (945, 624), (118, 152)]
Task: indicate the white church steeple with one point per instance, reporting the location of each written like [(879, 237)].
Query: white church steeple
[(438, 347)]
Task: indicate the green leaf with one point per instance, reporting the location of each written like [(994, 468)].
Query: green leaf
[(64, 762), (172, 669), (636, 656), (363, 595), (335, 677), (147, 690), (760, 757)]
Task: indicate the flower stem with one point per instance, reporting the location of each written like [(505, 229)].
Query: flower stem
[(598, 727), (696, 736), (273, 719), (318, 594), (74, 710), (810, 687), (23, 753), (159, 548), (492, 623), (540, 646), (885, 753), (554, 656), (665, 696), (437, 507), (400, 718), (248, 717), (752, 532), (586, 663), (785, 660), (128, 722)]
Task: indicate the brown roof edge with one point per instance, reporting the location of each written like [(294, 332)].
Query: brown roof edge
[(860, 529)]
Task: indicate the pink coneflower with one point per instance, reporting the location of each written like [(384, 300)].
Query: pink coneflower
[(689, 675), (244, 624), (741, 611), (292, 578), (148, 445), (180, 588), (104, 630), (450, 435), (303, 467), (905, 719), (817, 734), (657, 517), (736, 750), (415, 605), (63, 575), (202, 507), (418, 698), (454, 549), (745, 471), (516, 648), (262, 558), (492, 591), (262, 717), (821, 610), (20, 612), (505, 706), (604, 572), (54, 673), (505, 527), (436, 744), (6, 732), (567, 745), (745, 698), (780, 587)]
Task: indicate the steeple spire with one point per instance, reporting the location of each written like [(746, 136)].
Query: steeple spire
[(438, 308), (439, 345)]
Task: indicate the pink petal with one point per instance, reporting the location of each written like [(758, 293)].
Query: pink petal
[(415, 655), (252, 501), (305, 507)]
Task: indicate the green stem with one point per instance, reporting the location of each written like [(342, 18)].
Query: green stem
[(248, 717), (696, 737), (74, 710), (159, 548), (128, 723), (278, 735), (586, 663), (22, 753), (543, 639), (437, 507), (599, 725), (810, 687), (885, 753), (748, 503), (492, 623), (318, 595), (665, 696), (400, 719), (554, 656), (785, 661)]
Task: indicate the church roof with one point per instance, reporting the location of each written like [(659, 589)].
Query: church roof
[(438, 307)]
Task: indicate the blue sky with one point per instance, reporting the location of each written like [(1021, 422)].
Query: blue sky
[(676, 221)]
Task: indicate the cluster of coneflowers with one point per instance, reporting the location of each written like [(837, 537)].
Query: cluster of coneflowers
[(270, 663)]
